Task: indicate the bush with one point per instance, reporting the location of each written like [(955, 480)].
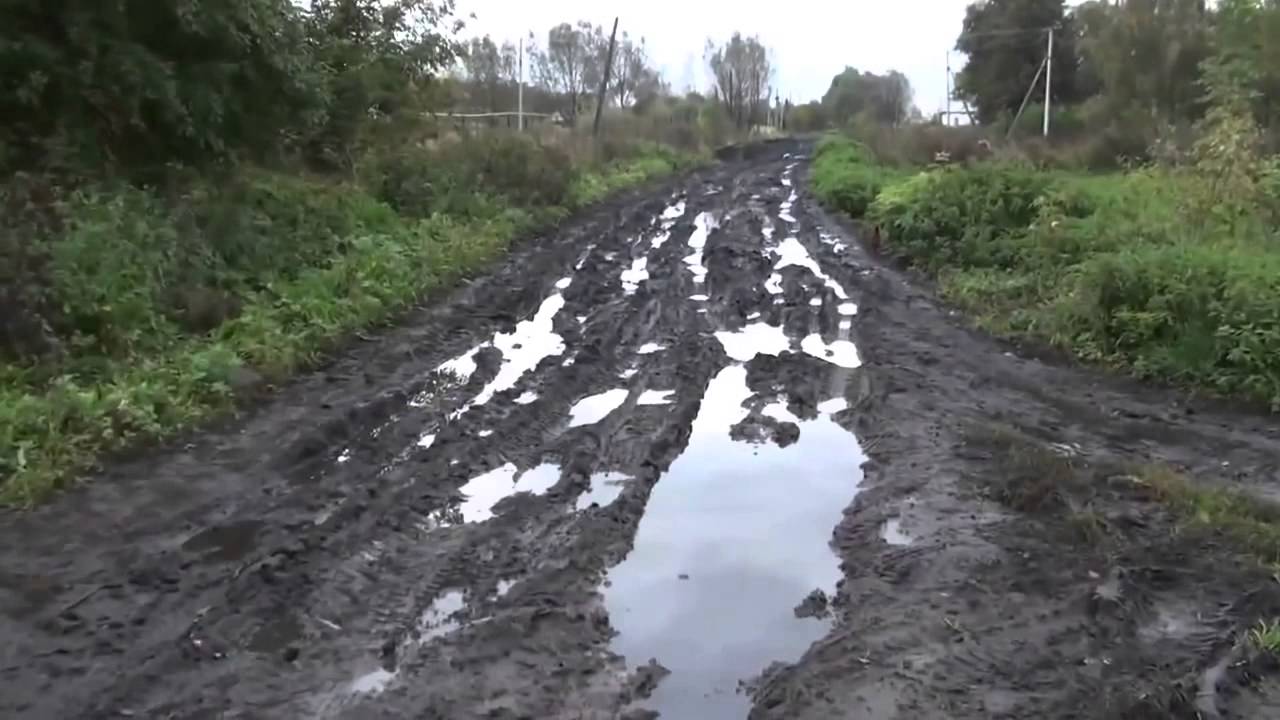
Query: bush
[(1189, 312), (956, 216), (845, 175)]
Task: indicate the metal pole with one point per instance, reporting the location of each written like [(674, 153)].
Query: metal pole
[(520, 91), (947, 117), (1025, 99), (604, 83), (1048, 83)]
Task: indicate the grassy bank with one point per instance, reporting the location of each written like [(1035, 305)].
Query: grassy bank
[(134, 314), (1153, 272)]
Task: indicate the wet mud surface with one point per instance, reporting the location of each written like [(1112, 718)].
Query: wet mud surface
[(694, 455)]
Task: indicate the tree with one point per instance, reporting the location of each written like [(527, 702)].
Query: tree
[(885, 99), (631, 71), (570, 62), (145, 83), (1145, 54), (491, 71), (1006, 42), (742, 72)]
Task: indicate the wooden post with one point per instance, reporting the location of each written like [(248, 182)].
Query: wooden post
[(604, 83)]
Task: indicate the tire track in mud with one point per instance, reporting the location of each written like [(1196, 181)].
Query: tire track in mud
[(614, 477)]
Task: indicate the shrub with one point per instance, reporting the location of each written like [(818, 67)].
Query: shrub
[(960, 216), (845, 175)]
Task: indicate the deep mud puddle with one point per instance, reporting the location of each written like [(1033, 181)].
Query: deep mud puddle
[(734, 537)]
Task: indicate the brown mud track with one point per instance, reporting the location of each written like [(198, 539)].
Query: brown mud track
[(624, 473)]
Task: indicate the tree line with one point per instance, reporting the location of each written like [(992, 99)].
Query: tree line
[(1141, 64), (564, 71)]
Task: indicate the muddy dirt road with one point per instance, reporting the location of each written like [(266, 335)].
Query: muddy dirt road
[(627, 473)]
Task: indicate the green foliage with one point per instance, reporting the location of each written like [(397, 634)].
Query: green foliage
[(276, 268), (845, 175), (1109, 267), (959, 216)]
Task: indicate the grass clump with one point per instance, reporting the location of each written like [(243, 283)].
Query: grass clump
[(1250, 523)]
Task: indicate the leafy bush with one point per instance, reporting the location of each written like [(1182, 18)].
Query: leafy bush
[(845, 175), (960, 216)]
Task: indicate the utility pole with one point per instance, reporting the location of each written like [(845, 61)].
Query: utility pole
[(1048, 82), (520, 90), (947, 117), (604, 84)]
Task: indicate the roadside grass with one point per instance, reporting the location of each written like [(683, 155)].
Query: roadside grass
[(166, 310), (1265, 637), (1140, 271)]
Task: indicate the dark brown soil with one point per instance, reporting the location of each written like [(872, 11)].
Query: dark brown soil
[(996, 558)]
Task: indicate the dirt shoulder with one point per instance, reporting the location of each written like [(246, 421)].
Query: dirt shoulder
[(657, 403)]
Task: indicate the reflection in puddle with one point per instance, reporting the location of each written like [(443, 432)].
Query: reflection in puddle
[(437, 620), (522, 350), (847, 309), (816, 302), (655, 397), (528, 398), (372, 683), (747, 527), (699, 298), (892, 533), (674, 212), (754, 339), (485, 491), (650, 348), (703, 225), (791, 252), (592, 409), (638, 273), (605, 488), (840, 352)]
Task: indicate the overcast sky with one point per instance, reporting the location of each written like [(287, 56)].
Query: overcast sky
[(811, 40)]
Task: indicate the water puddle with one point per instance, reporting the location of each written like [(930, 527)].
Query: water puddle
[(816, 302), (703, 225), (592, 409), (754, 339), (655, 397), (638, 273), (605, 488), (839, 352), (522, 349), (485, 491), (528, 398), (674, 211), (790, 253), (650, 348), (735, 536), (437, 620), (893, 534), (699, 298), (372, 683)]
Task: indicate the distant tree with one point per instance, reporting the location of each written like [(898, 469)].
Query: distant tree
[(742, 72), (1005, 41), (570, 62), (884, 99), (631, 71)]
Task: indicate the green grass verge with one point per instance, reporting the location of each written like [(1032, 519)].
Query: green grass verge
[(310, 264), (1250, 523), (1116, 269)]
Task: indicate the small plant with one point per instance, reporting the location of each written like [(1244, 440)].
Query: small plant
[(1265, 637)]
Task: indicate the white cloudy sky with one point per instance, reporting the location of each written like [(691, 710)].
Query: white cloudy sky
[(812, 40)]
